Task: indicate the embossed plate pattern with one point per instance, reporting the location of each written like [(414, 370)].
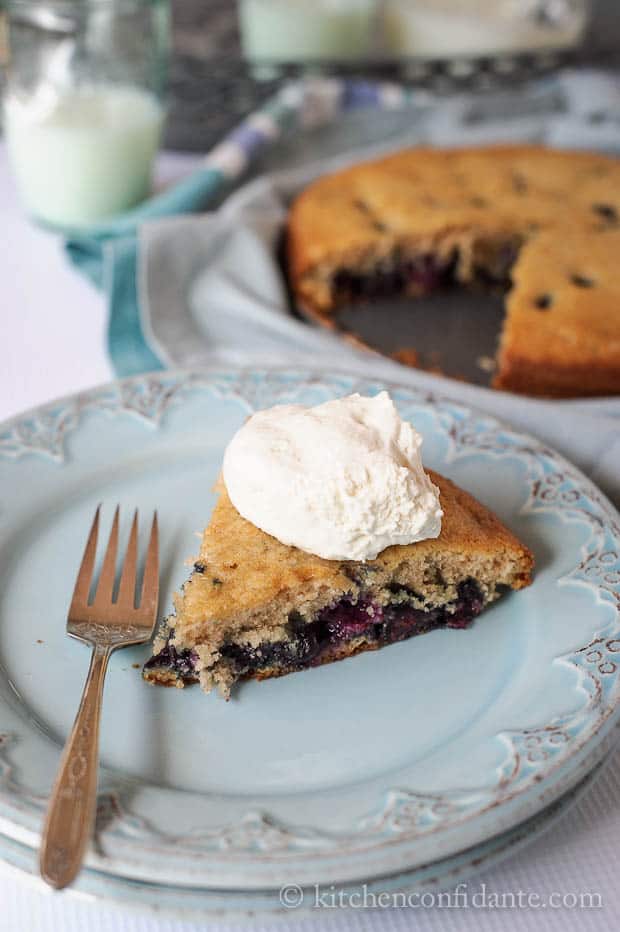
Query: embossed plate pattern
[(202, 903), (371, 766)]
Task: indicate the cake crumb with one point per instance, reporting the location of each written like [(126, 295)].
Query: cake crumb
[(136, 666), (39, 641), (486, 363), (408, 356)]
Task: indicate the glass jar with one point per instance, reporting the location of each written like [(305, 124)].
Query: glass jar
[(277, 31), (470, 28), (83, 109)]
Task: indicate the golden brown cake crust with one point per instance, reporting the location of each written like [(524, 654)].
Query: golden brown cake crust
[(257, 567), (565, 207), (562, 328)]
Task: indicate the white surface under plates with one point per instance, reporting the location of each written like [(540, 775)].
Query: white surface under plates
[(52, 342)]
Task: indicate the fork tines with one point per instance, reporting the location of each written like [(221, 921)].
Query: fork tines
[(103, 602)]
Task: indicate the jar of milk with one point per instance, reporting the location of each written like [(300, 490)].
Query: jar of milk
[(83, 106), (282, 31), (470, 28)]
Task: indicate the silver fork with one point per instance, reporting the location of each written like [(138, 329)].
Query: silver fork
[(105, 625)]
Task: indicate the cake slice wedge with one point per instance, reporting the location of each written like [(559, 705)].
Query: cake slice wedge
[(256, 608)]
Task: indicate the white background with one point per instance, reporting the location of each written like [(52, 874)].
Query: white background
[(52, 342)]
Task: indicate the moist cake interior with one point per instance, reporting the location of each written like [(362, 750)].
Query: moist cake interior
[(397, 614), (483, 269), (400, 272), (429, 318)]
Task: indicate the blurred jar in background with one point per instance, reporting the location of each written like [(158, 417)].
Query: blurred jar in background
[(275, 31), (451, 28), (4, 45), (83, 109)]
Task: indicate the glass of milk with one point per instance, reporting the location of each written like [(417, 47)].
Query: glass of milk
[(276, 31), (83, 107), (469, 28)]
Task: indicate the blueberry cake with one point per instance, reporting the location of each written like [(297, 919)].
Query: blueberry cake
[(541, 225), (254, 607)]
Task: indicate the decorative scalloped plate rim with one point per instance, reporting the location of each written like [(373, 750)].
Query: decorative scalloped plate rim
[(252, 905), (406, 828)]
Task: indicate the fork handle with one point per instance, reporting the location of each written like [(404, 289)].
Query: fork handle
[(72, 805)]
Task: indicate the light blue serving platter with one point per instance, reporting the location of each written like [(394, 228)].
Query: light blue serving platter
[(371, 767)]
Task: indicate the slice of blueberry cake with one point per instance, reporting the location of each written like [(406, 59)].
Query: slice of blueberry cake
[(254, 607)]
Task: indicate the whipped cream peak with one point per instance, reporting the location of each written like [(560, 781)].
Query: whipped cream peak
[(342, 480)]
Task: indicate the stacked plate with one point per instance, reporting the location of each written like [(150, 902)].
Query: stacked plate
[(400, 770)]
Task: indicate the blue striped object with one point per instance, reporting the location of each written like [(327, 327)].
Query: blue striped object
[(107, 253)]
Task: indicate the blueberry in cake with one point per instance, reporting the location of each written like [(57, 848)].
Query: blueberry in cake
[(255, 607), (542, 225)]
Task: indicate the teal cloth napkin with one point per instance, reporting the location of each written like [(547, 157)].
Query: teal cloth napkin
[(107, 255)]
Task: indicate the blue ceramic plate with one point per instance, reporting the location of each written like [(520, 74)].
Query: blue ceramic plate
[(368, 767), (201, 903)]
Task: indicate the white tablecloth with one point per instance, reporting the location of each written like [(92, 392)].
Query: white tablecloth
[(53, 342)]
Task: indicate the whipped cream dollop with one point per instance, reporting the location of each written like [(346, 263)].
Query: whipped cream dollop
[(342, 480)]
